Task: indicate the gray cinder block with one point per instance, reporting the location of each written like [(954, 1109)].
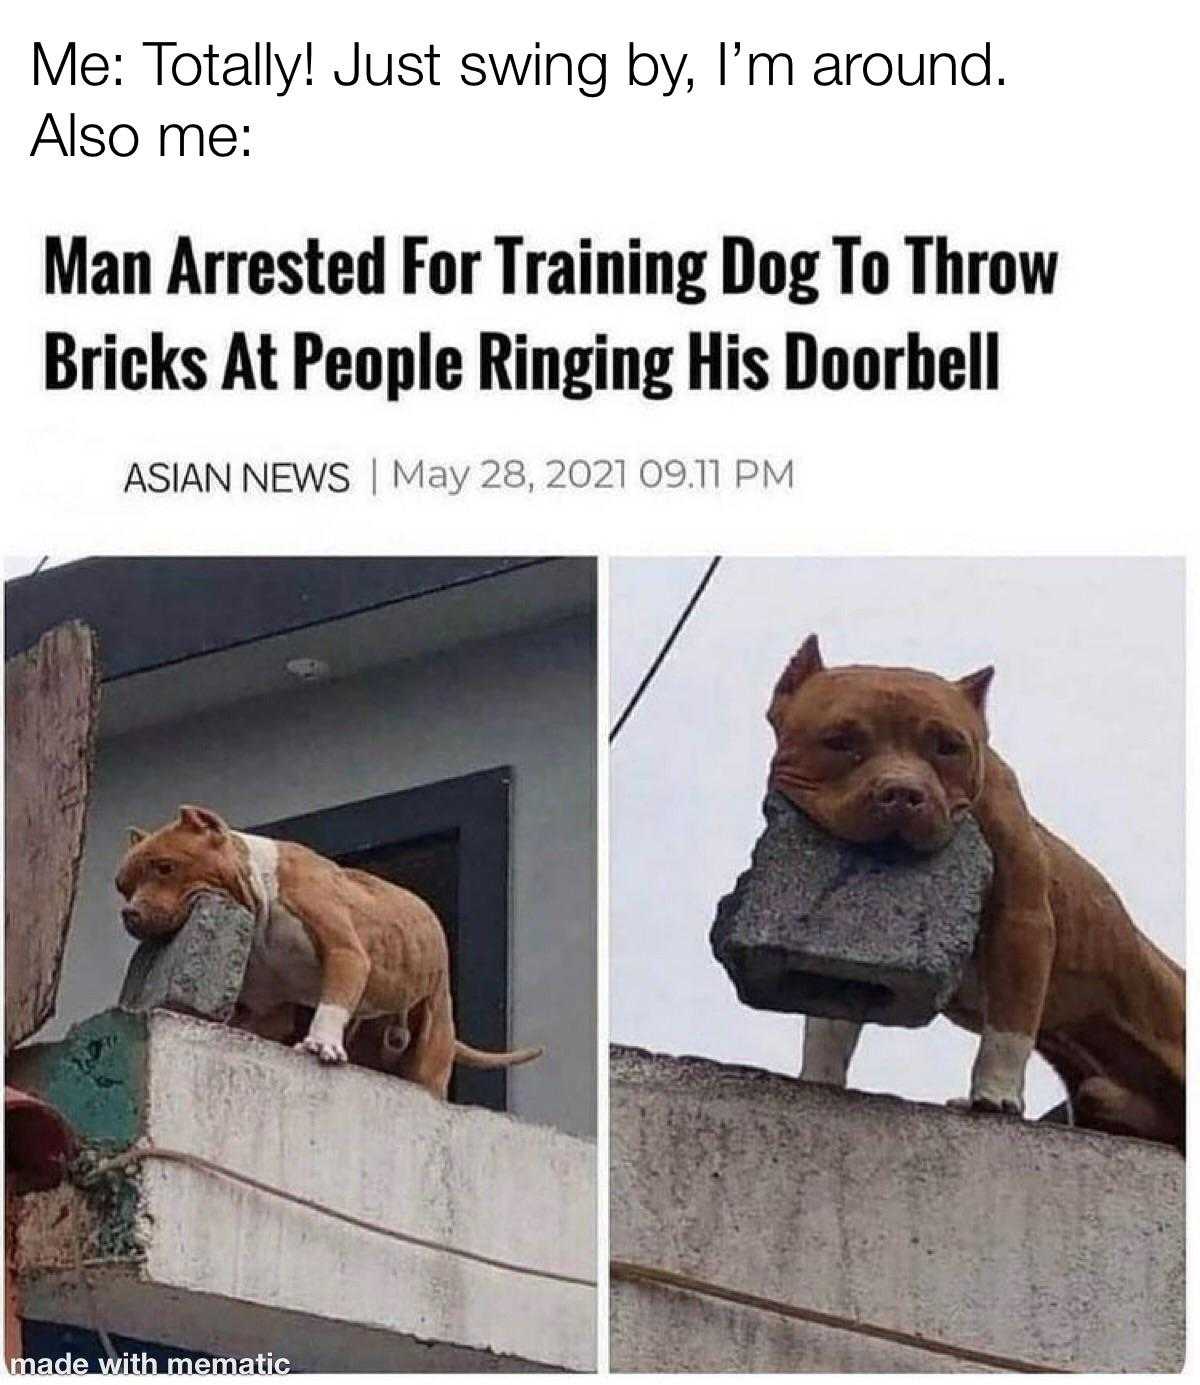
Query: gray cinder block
[(821, 927), (198, 970)]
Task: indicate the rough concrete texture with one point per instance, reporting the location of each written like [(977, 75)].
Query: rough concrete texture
[(1055, 1246), (198, 970), (821, 927), (203, 1263)]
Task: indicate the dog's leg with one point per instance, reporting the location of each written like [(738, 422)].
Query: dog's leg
[(998, 1074), (1016, 945), (345, 967), (828, 1046), (1102, 1104), (1017, 954), (429, 1058)]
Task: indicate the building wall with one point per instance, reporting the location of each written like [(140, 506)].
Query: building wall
[(1052, 1246), (188, 1259), (527, 700)]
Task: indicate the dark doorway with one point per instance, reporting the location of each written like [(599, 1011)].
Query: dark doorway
[(448, 843), (428, 866)]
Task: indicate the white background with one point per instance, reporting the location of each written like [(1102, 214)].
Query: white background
[(1085, 149)]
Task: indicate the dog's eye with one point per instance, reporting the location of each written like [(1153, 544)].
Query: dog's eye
[(948, 745), (164, 867), (840, 742)]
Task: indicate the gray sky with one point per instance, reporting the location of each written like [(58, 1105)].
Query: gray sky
[(23, 564), (1087, 705)]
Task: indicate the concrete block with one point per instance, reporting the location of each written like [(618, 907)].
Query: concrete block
[(820, 927), (198, 970), (1053, 1246), (178, 1255)]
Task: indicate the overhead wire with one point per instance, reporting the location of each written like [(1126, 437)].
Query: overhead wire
[(660, 657)]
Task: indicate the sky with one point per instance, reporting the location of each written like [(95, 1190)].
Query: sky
[(22, 565), (1087, 705)]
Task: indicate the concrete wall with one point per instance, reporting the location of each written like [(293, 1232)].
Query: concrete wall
[(1058, 1247), (527, 700), (179, 1256)]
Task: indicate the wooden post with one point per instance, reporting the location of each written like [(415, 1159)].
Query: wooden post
[(52, 701)]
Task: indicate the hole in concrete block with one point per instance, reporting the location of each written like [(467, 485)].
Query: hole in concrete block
[(769, 979), (837, 992)]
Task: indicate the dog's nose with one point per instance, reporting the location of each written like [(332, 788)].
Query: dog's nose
[(130, 917), (899, 795)]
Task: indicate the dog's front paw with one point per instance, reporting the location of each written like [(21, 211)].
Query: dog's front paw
[(991, 1105), (324, 1049), (998, 1105), (998, 1076)]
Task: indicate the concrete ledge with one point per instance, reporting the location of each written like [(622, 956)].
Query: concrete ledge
[(1056, 1246), (177, 1255)]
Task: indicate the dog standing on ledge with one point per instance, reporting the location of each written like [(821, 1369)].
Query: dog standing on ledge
[(355, 947), (877, 753)]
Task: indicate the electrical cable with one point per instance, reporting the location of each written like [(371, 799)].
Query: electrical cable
[(672, 1279), (685, 615), (196, 1161)]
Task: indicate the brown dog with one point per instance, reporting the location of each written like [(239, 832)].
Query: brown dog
[(878, 753), (353, 946)]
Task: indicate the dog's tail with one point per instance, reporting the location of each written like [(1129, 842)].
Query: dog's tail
[(476, 1057)]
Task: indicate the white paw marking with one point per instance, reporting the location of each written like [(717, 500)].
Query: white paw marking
[(325, 1051), (326, 1034), (985, 1106), (998, 1077)]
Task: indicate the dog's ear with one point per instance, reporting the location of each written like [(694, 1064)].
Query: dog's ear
[(975, 686), (136, 835), (202, 820), (803, 664)]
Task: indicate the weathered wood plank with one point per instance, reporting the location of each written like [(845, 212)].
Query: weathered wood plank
[(51, 706)]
